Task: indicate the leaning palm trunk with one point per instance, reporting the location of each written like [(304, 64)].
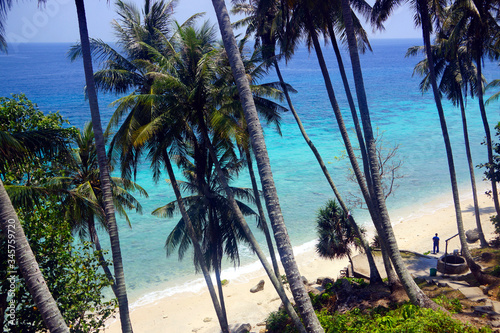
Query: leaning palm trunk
[(374, 273), (251, 239), (477, 214), (413, 291), (350, 100), (262, 216), (94, 238), (19, 246), (475, 268), (376, 218), (365, 189), (217, 269), (487, 132), (107, 195), (197, 248), (285, 250), (392, 277)]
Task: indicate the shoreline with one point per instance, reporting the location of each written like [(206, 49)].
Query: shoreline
[(192, 311)]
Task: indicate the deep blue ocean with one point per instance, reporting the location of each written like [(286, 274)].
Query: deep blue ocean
[(398, 110)]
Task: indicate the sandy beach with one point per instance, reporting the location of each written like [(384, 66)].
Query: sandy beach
[(193, 312)]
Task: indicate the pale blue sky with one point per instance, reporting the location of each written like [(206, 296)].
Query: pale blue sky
[(57, 22)]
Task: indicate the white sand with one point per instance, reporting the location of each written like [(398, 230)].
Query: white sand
[(190, 312)]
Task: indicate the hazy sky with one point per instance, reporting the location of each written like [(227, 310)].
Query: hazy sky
[(57, 21)]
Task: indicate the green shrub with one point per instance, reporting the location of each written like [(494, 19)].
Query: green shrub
[(452, 305), (279, 321), (402, 319), (361, 282), (71, 270)]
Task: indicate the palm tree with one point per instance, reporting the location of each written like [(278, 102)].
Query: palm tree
[(115, 245), (107, 195), (179, 97), (336, 237), (375, 187), (475, 24), (210, 212), (333, 15), (128, 70), (17, 149), (232, 124), (382, 9), (21, 250), (197, 248), (303, 20), (198, 108), (82, 195), (458, 74), (262, 19), (272, 202)]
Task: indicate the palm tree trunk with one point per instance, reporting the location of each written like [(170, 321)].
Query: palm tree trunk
[(477, 214), (347, 143), (251, 238), (352, 265), (354, 114), (221, 293), (18, 246), (414, 293), (474, 268), (486, 131), (392, 278), (197, 248), (374, 273), (94, 238), (217, 255), (107, 195), (285, 250), (262, 214)]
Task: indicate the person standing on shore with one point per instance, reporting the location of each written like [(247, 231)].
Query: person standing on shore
[(435, 248)]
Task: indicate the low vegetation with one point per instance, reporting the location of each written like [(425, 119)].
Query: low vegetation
[(367, 308), (388, 316)]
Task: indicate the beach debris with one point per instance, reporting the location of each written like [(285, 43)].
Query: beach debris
[(262, 323), (258, 287), (472, 235), (243, 328), (274, 299), (304, 280), (207, 319)]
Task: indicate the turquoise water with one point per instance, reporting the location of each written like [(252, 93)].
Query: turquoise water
[(398, 109)]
